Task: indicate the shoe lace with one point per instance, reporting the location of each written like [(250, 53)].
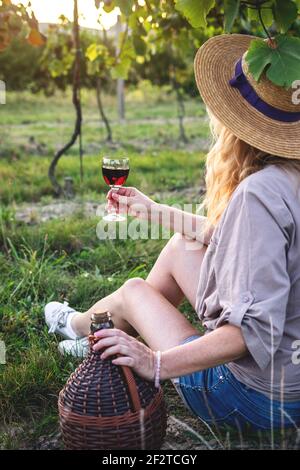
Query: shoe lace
[(61, 314)]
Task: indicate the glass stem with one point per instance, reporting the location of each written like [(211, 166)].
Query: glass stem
[(113, 210)]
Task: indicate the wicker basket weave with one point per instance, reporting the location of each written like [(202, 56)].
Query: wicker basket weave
[(105, 406)]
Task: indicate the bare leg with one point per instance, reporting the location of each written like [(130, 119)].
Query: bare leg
[(112, 303), (176, 272), (149, 307)]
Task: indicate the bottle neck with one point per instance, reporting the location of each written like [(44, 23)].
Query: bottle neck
[(101, 321)]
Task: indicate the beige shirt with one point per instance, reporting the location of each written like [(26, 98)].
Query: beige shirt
[(250, 277)]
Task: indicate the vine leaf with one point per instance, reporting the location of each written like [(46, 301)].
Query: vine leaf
[(231, 10), (122, 67), (281, 64), (125, 6), (139, 45), (195, 11), (285, 13), (96, 50), (266, 13), (35, 38)]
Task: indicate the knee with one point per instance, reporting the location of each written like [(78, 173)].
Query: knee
[(176, 242), (180, 244), (132, 285)]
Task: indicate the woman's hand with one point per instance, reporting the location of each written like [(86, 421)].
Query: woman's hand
[(130, 201), (134, 353)]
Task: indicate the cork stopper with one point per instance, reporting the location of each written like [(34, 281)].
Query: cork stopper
[(100, 321), (101, 317)]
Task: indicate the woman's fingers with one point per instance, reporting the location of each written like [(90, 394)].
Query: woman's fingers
[(111, 205), (117, 343), (116, 349), (105, 342), (123, 361), (122, 191), (111, 332), (118, 201), (130, 201), (122, 199), (131, 352)]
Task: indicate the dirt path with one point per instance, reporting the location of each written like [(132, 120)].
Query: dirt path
[(35, 213), (96, 122)]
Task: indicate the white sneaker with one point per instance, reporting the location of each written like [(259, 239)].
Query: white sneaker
[(76, 348), (58, 317)]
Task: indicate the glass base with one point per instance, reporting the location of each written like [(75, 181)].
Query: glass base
[(114, 218)]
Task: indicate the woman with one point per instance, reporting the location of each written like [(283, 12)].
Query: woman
[(243, 280)]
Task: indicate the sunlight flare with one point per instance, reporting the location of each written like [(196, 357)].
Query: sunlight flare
[(49, 12)]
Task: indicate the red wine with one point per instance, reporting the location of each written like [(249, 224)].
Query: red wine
[(114, 176)]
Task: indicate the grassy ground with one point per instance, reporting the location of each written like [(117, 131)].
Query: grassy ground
[(63, 259)]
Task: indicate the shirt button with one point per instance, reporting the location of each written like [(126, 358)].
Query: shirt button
[(246, 298)]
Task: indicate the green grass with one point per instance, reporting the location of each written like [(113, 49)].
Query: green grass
[(25, 179), (26, 108)]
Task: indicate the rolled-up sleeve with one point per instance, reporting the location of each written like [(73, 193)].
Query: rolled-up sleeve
[(251, 268)]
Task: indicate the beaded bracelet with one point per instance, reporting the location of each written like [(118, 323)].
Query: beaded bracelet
[(157, 369)]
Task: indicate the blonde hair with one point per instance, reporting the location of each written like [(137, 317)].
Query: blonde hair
[(229, 161)]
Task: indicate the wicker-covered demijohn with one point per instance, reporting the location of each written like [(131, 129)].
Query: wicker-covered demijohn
[(105, 406)]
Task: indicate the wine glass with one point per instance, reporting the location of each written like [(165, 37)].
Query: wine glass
[(115, 172)]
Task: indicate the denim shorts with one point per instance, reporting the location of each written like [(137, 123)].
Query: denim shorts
[(217, 397)]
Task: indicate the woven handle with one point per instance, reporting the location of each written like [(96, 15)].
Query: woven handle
[(133, 390)]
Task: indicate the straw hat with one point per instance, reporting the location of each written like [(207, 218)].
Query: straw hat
[(261, 114)]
